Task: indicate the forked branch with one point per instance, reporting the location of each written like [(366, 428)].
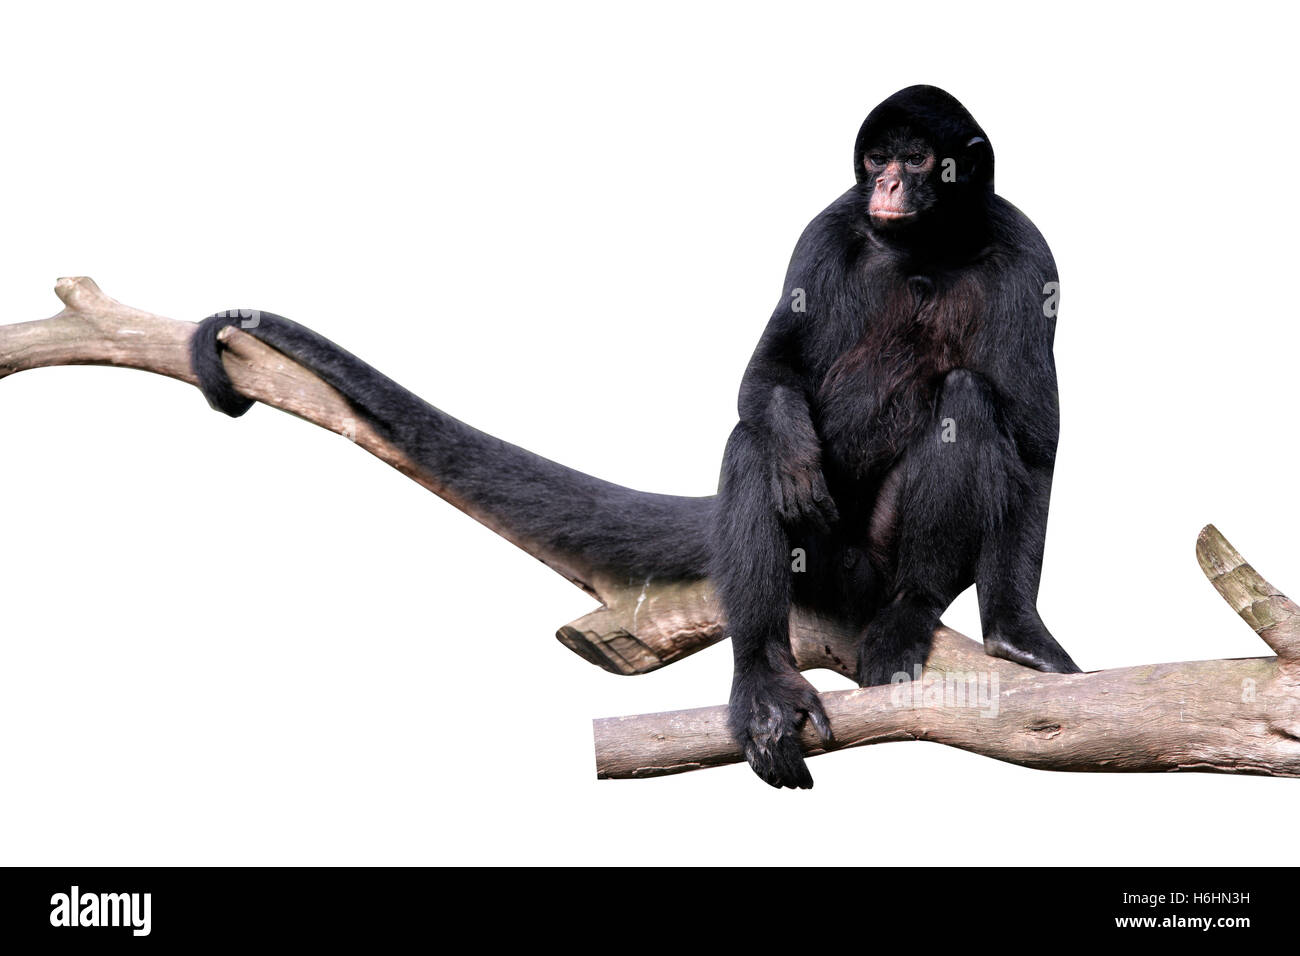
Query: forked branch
[(1235, 716)]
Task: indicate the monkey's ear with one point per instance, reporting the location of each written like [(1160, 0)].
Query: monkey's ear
[(977, 166)]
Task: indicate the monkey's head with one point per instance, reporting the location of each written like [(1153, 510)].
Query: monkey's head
[(921, 159)]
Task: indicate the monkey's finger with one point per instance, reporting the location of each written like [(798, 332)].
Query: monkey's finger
[(791, 767), (816, 715), (822, 498), (830, 514), (778, 762), (821, 724), (818, 510), (816, 518)]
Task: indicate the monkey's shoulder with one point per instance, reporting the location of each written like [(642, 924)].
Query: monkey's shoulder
[(831, 243), (1015, 244)]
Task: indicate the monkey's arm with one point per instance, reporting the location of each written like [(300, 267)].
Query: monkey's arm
[(774, 403), (1017, 355)]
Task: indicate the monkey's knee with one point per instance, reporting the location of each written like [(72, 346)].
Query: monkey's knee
[(967, 398), (974, 450), (899, 638)]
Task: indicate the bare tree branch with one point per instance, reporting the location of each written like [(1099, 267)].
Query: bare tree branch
[(1227, 716), (1237, 716), (94, 329)]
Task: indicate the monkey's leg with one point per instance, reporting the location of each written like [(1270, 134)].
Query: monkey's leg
[(1007, 577), (770, 699), (950, 483)]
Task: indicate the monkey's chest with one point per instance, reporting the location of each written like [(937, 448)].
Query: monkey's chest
[(908, 341), (877, 392)]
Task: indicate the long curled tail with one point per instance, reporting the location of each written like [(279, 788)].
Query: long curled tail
[(604, 526)]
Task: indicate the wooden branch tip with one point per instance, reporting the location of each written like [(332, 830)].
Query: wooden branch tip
[(1270, 613), (82, 294)]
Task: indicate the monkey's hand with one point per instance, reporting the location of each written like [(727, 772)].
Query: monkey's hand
[(768, 710), (801, 495), (798, 484)]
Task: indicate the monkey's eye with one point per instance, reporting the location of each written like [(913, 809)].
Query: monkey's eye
[(876, 159), (916, 159)]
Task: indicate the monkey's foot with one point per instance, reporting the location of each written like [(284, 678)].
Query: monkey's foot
[(874, 670), (897, 642), (768, 711), (1031, 646)]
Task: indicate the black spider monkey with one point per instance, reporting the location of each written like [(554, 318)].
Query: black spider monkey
[(898, 428)]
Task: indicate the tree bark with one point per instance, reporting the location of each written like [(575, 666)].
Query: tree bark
[(1226, 716), (1232, 716)]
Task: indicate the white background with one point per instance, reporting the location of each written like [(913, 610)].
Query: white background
[(250, 642)]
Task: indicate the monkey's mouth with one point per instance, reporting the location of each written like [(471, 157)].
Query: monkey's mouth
[(890, 215)]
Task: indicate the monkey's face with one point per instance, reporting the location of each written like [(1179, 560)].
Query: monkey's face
[(900, 171)]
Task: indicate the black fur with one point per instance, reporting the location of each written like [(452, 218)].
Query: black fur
[(612, 528), (909, 327), (911, 331)]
